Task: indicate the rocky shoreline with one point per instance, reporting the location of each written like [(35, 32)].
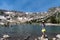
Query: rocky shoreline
[(51, 24)]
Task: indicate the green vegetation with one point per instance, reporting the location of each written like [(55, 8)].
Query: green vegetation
[(1, 13), (52, 19), (55, 18)]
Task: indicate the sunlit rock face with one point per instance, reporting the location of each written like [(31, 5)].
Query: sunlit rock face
[(27, 16)]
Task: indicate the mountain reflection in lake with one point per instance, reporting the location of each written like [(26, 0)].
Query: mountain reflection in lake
[(24, 30)]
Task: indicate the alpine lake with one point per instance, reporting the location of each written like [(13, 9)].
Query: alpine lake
[(20, 32)]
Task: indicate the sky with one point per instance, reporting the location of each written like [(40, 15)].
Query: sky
[(29, 5)]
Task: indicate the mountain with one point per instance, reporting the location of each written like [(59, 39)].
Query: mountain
[(55, 12)]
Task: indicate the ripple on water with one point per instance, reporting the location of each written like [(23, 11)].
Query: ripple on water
[(23, 30)]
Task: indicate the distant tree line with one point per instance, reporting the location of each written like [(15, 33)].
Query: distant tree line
[(53, 19)]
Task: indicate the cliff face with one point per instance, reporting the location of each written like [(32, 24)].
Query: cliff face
[(56, 17), (27, 16)]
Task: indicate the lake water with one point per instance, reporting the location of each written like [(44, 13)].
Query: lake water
[(23, 30)]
